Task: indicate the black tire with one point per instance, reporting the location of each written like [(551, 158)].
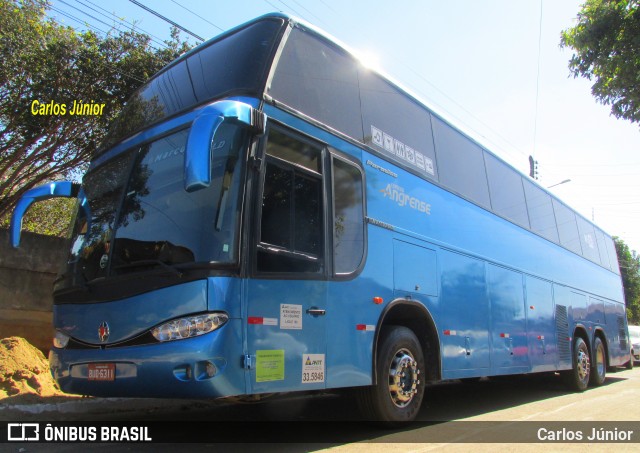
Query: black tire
[(598, 364), (577, 378), (630, 362), (400, 369)]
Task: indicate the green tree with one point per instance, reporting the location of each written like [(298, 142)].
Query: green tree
[(46, 62), (606, 42), (629, 262)]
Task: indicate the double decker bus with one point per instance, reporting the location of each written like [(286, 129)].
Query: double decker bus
[(267, 215)]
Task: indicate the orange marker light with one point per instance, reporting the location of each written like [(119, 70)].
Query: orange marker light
[(378, 300)]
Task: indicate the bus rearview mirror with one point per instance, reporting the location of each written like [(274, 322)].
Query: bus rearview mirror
[(60, 189), (197, 164)]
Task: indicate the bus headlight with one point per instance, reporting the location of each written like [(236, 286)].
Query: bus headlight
[(191, 326)]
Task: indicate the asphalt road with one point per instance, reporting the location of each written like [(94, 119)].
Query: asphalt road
[(485, 415)]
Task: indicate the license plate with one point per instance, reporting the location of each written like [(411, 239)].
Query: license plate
[(102, 371)]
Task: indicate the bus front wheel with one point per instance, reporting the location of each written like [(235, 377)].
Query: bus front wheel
[(398, 394), (577, 378)]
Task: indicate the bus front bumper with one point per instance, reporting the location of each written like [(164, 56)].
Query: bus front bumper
[(204, 366)]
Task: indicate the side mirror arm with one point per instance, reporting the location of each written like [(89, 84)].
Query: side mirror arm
[(62, 189), (197, 164)]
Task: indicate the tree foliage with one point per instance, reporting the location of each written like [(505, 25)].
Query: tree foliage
[(46, 62), (606, 42), (629, 262)]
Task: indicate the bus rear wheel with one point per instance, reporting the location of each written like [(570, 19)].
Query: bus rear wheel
[(599, 369), (398, 394), (577, 378)]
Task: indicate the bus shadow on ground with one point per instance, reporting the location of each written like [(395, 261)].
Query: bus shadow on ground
[(317, 421)]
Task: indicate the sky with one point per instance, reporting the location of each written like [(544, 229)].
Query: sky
[(494, 68)]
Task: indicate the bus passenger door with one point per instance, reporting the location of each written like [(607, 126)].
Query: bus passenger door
[(286, 295)]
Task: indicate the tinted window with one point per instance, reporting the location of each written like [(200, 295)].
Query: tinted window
[(540, 208), (507, 193), (319, 80), (602, 248), (291, 231), (613, 255), (92, 240), (567, 227), (460, 163), (396, 125), (236, 63), (588, 240), (348, 217)]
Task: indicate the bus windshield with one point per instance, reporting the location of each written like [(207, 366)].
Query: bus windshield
[(141, 216)]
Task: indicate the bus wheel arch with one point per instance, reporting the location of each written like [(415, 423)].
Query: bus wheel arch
[(416, 317), (405, 356)]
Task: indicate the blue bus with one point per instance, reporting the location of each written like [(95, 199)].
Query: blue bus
[(267, 215)]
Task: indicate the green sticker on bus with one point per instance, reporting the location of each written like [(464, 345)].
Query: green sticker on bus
[(270, 365)]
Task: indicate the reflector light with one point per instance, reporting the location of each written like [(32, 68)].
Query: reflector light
[(60, 340), (192, 326), (378, 300), (211, 369)]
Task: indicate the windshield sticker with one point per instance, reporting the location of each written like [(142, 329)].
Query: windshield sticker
[(312, 368), (290, 316), (396, 193), (400, 151), (270, 365)]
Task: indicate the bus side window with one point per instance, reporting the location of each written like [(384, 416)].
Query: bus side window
[(348, 217), (291, 218)]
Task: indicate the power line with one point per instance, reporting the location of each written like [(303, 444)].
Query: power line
[(166, 19), (297, 13), (111, 28), (107, 65), (132, 25), (273, 6), (86, 14), (80, 21), (328, 7), (307, 10), (198, 15)]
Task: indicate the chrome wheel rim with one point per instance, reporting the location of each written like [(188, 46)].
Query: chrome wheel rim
[(583, 365), (403, 378), (600, 360)]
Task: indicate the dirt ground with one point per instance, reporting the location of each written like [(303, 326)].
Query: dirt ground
[(24, 371)]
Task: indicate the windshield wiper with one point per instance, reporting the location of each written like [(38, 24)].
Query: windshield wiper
[(82, 284), (140, 263)]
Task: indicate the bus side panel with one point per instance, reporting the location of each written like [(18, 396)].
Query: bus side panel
[(463, 317), (508, 321), (352, 316), (540, 324), (618, 343)]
